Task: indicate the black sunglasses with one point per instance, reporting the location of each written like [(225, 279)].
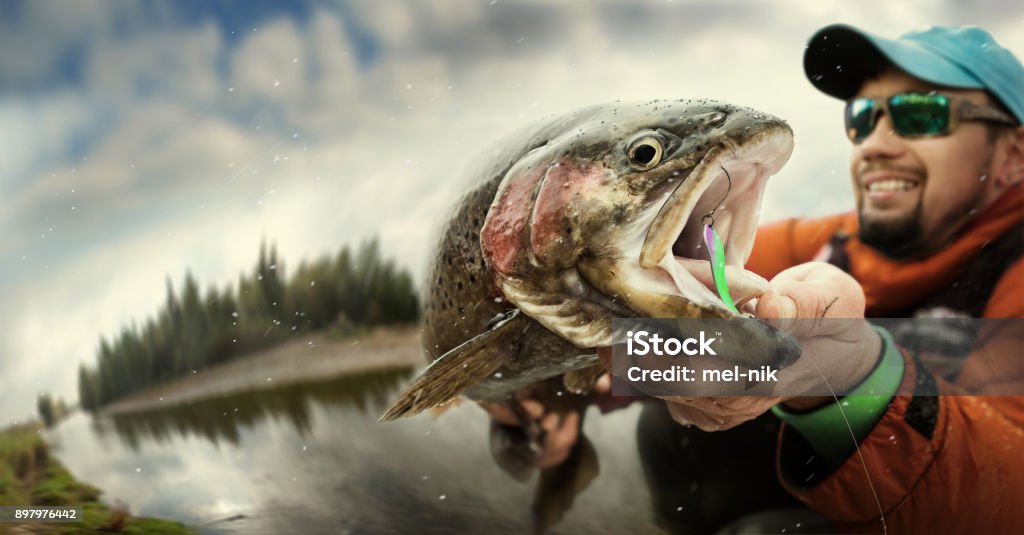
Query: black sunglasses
[(917, 114)]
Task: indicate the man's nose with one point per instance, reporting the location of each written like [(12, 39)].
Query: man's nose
[(882, 141)]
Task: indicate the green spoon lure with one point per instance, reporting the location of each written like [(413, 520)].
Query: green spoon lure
[(716, 254)]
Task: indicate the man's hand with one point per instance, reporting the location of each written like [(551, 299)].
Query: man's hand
[(560, 431), (843, 351)]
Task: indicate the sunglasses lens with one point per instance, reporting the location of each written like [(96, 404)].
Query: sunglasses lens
[(860, 118), (916, 114)]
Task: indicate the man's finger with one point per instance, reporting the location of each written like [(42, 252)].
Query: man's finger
[(566, 432), (558, 441), (550, 422), (812, 292), (533, 408)]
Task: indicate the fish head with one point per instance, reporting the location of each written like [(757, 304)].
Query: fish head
[(605, 215)]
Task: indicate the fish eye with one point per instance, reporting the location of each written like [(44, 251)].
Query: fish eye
[(645, 152)]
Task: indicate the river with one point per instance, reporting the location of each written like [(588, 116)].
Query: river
[(311, 458), (307, 455)]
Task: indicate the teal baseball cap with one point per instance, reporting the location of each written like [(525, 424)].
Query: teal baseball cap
[(839, 58)]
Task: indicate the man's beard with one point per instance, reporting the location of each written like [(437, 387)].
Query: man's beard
[(905, 237), (894, 238)]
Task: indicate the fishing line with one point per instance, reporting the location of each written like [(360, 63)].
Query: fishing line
[(716, 255), (863, 463)]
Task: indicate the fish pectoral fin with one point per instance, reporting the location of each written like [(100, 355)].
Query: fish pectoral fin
[(582, 381), (584, 323), (464, 366)]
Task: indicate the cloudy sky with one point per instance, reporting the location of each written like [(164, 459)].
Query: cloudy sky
[(143, 139)]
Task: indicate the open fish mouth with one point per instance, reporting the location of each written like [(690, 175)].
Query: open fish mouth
[(725, 189)]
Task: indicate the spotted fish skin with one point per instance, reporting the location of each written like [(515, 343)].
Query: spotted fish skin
[(462, 298)]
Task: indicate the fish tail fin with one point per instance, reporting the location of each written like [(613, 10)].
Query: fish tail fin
[(458, 369), (558, 486)]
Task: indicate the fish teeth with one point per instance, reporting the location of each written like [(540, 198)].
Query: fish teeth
[(893, 184)]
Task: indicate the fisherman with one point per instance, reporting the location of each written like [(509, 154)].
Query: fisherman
[(937, 164)]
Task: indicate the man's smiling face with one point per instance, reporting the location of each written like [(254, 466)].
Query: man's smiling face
[(913, 195)]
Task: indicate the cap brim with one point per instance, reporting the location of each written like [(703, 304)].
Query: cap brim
[(840, 58)]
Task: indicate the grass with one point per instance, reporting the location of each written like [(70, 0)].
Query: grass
[(29, 475)]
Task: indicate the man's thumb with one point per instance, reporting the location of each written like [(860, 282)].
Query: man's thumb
[(772, 304)]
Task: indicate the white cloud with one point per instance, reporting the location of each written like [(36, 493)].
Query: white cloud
[(263, 67), (178, 63), (36, 130)]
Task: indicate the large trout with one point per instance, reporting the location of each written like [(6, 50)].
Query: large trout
[(589, 216)]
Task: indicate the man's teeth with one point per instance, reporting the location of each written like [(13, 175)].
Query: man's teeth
[(891, 185)]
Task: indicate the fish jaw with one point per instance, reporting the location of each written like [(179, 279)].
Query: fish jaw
[(665, 253)]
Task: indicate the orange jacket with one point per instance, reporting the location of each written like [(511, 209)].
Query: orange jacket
[(968, 476)]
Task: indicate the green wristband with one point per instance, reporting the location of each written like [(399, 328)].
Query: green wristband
[(825, 428)]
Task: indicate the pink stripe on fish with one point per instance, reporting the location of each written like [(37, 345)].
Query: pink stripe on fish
[(501, 237), (551, 224)]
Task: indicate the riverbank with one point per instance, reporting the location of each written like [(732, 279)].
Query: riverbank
[(305, 358), (29, 475)]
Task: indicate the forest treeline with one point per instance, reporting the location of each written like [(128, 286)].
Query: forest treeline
[(196, 329)]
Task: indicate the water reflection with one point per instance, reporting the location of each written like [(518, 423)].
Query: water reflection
[(221, 419), (311, 458)]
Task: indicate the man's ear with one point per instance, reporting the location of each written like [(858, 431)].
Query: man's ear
[(1012, 171)]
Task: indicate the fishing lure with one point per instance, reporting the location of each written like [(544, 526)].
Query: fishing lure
[(717, 257), (716, 252)]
